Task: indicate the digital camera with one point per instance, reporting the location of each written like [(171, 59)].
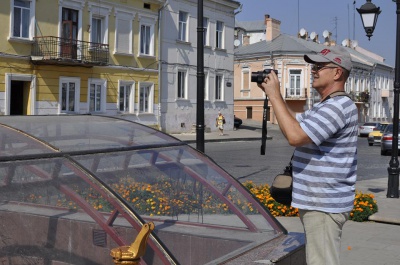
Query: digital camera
[(259, 76)]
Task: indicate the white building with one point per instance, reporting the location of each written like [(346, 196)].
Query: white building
[(370, 82), (178, 63)]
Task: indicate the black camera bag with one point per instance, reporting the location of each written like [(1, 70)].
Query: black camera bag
[(281, 187)]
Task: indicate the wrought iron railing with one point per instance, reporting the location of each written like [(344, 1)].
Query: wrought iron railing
[(50, 48), (296, 93), (359, 96)]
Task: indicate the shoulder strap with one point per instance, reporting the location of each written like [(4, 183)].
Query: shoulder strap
[(335, 94)]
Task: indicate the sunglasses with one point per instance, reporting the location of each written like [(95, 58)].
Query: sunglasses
[(319, 67)]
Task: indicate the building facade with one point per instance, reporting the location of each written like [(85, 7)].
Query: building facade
[(178, 67), (80, 57), (370, 83)]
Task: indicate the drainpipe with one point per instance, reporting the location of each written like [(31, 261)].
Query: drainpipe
[(160, 63)]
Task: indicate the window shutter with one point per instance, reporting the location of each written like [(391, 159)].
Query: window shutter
[(123, 36)]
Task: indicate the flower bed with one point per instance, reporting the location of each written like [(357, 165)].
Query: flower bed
[(173, 199), (364, 204)]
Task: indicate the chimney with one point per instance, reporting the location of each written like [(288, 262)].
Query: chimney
[(246, 40), (272, 28)]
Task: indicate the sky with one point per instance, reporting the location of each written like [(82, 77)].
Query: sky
[(337, 16)]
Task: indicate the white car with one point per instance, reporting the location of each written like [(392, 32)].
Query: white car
[(367, 127)]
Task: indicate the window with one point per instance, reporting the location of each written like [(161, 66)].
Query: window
[(245, 91), (356, 84), (295, 77), (219, 38), (181, 84), (69, 94), (205, 34), (145, 98), (99, 22), (183, 21), (246, 79), (96, 95), (124, 33), (96, 31), (145, 39), (219, 87), (126, 97), (146, 35), (23, 12), (206, 76)]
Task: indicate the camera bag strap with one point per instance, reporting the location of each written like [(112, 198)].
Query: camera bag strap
[(264, 127), (335, 94)]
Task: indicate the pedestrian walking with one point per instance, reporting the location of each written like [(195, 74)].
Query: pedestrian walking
[(219, 122), (325, 158)]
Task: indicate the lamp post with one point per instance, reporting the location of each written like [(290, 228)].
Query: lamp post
[(200, 78), (369, 15)]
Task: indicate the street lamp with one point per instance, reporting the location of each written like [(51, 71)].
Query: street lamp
[(369, 15), (200, 79)]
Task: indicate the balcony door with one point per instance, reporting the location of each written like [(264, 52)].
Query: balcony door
[(69, 33)]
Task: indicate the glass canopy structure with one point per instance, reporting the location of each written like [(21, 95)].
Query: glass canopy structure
[(74, 187)]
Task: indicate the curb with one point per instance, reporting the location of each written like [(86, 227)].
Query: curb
[(381, 219), (216, 140)]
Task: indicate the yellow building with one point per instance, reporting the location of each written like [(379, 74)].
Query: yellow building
[(80, 57)]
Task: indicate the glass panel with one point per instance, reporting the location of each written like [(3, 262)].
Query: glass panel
[(142, 39), (75, 133), (182, 25), (186, 197), (92, 96), (17, 22), (219, 34), (218, 87), (368, 20), (98, 98), (21, 3), (121, 98), (64, 96), (43, 202), (147, 48), (181, 84), (25, 23), (19, 144), (71, 98), (58, 203), (144, 99), (205, 34), (96, 30)]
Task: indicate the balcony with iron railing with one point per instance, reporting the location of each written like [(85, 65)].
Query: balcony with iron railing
[(296, 93), (55, 50), (359, 97)]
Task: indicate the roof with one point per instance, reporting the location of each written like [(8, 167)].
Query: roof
[(286, 44), (251, 25)]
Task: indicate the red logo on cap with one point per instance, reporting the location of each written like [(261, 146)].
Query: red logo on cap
[(325, 52), (338, 60)]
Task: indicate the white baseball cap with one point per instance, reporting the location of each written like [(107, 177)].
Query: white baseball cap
[(337, 55)]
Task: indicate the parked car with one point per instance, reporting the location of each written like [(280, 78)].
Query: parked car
[(367, 127), (386, 141), (236, 122), (375, 136)]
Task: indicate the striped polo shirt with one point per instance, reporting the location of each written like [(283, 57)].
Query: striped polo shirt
[(324, 172)]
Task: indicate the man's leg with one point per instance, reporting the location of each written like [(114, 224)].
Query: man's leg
[(323, 234)]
